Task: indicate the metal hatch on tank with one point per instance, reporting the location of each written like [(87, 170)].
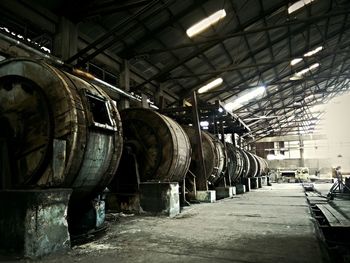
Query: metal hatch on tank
[(61, 130)]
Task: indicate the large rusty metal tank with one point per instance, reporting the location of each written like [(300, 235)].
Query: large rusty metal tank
[(59, 130), (235, 162), (263, 166), (245, 162), (161, 146), (253, 165), (214, 155)]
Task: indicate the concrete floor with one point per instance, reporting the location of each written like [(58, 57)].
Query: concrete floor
[(272, 224)]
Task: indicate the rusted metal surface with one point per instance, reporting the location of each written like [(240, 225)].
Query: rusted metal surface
[(234, 162), (253, 170), (253, 165), (220, 156), (43, 104), (214, 157), (161, 146)]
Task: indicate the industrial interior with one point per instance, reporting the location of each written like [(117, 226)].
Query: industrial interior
[(175, 131)]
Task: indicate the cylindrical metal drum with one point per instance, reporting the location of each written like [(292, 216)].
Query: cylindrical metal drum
[(214, 158), (161, 146), (60, 130), (220, 155), (234, 162), (264, 166), (253, 170), (246, 163), (260, 165)]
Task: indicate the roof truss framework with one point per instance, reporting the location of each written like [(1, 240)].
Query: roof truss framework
[(253, 45)]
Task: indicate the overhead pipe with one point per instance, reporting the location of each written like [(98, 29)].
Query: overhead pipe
[(24, 46), (56, 61)]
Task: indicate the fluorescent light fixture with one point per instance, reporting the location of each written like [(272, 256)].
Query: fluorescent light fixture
[(297, 5), (299, 75), (205, 23), (204, 123), (307, 54), (295, 77), (313, 52), (302, 72), (251, 95), (245, 98), (295, 61), (210, 85)]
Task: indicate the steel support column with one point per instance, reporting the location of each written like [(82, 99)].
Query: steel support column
[(201, 179)]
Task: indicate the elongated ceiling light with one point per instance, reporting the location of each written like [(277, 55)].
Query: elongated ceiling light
[(295, 61), (307, 54), (210, 85), (299, 4), (245, 98), (299, 74), (205, 23), (313, 52), (302, 72)]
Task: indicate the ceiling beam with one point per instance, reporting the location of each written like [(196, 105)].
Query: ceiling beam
[(204, 48), (241, 33)]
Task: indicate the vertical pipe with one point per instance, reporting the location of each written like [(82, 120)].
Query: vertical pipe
[(227, 175), (124, 82), (234, 141), (201, 179), (301, 145)]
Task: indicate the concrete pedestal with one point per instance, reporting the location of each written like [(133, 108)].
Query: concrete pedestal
[(224, 192), (240, 189), (33, 222), (160, 198), (254, 183), (264, 181), (247, 184), (206, 196), (259, 182), (123, 202)]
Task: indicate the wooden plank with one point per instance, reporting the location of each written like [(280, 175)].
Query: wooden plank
[(334, 218)]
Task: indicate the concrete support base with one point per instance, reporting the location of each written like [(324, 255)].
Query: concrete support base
[(247, 184), (33, 222), (123, 202), (160, 198), (224, 192), (254, 183), (259, 182), (206, 196), (264, 181), (240, 189)]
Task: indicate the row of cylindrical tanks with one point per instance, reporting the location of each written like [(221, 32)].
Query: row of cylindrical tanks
[(165, 151), (58, 130)]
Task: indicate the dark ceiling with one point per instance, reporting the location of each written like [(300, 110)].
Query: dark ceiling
[(251, 47)]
